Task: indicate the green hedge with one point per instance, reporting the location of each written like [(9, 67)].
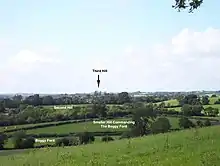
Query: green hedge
[(45, 135), (48, 125)]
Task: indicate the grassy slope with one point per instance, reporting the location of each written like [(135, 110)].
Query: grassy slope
[(3, 128), (186, 148), (212, 100), (88, 126), (173, 102)]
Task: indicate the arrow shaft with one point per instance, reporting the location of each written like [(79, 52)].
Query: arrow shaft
[(98, 81)]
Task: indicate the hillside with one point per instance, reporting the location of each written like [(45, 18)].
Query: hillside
[(188, 148)]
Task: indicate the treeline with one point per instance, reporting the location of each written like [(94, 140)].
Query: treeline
[(71, 134), (33, 115), (27, 114), (107, 98)]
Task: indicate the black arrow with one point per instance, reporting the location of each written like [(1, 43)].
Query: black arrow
[(98, 81)]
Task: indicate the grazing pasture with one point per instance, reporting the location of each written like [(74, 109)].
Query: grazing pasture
[(187, 148)]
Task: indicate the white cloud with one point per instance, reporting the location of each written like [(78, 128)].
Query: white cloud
[(189, 61)]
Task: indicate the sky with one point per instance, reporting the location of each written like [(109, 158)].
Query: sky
[(53, 46)]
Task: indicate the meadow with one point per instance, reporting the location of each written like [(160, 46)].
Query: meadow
[(172, 102), (89, 126), (187, 148), (4, 128)]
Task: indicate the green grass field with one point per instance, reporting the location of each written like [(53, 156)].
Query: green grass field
[(187, 148), (172, 102), (4, 128), (74, 127), (212, 100), (88, 126)]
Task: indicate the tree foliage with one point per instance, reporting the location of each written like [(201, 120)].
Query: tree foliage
[(199, 123), (3, 138), (191, 99), (191, 110), (67, 141), (185, 123), (86, 137), (107, 139), (205, 100), (22, 141), (210, 111), (161, 125), (207, 123), (191, 5), (143, 118)]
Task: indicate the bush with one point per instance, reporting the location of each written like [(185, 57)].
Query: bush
[(27, 143), (3, 137), (214, 95), (207, 123), (185, 123), (161, 125), (86, 137), (62, 142), (17, 139), (67, 141), (22, 141), (199, 123), (74, 141), (107, 138)]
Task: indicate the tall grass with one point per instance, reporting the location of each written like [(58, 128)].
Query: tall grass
[(187, 148)]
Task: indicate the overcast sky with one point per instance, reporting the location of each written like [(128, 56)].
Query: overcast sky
[(52, 46)]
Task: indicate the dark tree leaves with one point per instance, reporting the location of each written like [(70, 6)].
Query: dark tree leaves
[(191, 5)]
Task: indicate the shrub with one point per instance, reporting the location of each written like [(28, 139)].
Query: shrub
[(3, 137), (199, 123), (107, 138), (17, 139), (207, 123), (185, 123), (86, 137), (27, 142), (62, 142), (67, 141), (74, 141), (161, 125), (21, 141)]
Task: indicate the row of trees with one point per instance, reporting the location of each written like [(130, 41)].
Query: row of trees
[(27, 114), (107, 98), (193, 99), (192, 105)]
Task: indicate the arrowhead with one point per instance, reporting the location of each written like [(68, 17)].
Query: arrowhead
[(98, 82)]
